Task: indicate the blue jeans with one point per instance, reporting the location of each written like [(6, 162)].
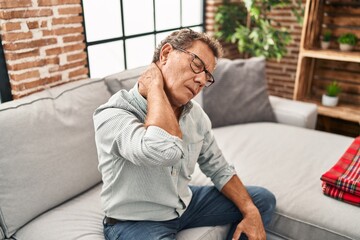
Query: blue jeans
[(208, 207)]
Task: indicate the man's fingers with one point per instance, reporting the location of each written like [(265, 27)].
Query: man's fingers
[(237, 233)]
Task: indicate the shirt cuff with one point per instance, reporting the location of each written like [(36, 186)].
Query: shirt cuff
[(224, 177)]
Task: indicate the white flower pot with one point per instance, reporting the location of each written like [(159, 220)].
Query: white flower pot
[(325, 45), (346, 47), (329, 101)]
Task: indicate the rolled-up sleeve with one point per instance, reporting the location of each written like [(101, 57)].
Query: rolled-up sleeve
[(120, 133), (212, 162), (159, 144)]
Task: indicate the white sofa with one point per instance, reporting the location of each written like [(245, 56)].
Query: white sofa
[(50, 185)]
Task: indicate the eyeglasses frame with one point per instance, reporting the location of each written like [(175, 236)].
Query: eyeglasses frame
[(208, 82)]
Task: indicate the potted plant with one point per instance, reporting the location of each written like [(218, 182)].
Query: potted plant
[(247, 24), (331, 98), (347, 41), (325, 41)]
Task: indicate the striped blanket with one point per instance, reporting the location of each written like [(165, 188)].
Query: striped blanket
[(342, 181)]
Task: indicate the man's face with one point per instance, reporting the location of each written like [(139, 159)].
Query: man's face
[(181, 83)]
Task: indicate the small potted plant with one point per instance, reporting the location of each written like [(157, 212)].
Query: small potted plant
[(331, 98), (325, 41), (347, 41)]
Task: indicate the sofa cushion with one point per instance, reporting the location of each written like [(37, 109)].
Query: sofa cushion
[(289, 161), (82, 218), (48, 152), (123, 80), (295, 113), (239, 94), (2, 235), (76, 219)]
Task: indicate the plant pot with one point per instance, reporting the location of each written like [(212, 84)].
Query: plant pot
[(346, 47), (325, 45), (329, 101)]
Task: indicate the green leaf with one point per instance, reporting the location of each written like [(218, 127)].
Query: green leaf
[(255, 12), (264, 37)]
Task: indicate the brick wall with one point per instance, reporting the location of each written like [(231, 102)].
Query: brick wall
[(43, 42), (280, 75), (44, 45)]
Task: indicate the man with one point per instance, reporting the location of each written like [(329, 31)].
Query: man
[(149, 140)]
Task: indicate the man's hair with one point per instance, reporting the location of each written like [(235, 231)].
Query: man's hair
[(184, 38)]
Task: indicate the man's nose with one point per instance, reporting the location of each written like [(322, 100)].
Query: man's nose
[(201, 78)]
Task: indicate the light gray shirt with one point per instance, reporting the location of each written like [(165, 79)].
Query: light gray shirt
[(146, 171)]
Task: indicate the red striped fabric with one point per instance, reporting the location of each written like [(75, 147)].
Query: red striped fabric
[(342, 181), (334, 192)]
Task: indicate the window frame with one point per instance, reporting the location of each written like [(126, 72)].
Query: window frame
[(126, 37)]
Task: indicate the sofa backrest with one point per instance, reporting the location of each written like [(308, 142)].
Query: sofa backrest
[(47, 150), (123, 80)]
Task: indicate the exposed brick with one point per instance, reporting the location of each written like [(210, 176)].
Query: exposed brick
[(54, 51), (52, 79), (44, 24), (77, 38), (68, 66), (75, 47), (21, 86), (26, 75), (16, 55), (11, 26), (32, 64), (15, 36), (21, 45), (67, 20), (70, 10), (295, 52), (70, 48), (279, 14), (25, 13), (276, 67), (291, 69), (79, 72), (17, 95), (29, 44), (57, 2), (77, 56), (298, 27), (33, 24), (15, 3), (63, 31)]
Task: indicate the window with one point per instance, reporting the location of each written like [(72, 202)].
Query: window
[(122, 34)]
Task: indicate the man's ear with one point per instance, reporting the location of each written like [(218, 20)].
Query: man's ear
[(164, 53)]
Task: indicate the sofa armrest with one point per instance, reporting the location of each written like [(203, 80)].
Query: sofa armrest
[(296, 113)]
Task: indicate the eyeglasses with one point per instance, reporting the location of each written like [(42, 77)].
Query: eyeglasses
[(197, 66)]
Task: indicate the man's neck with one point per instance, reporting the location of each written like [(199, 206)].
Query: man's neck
[(178, 111)]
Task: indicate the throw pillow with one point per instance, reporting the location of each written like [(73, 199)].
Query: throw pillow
[(239, 94), (123, 80)]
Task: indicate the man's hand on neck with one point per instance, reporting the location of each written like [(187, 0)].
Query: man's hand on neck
[(160, 112)]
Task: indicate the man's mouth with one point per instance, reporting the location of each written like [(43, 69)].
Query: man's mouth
[(192, 91)]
